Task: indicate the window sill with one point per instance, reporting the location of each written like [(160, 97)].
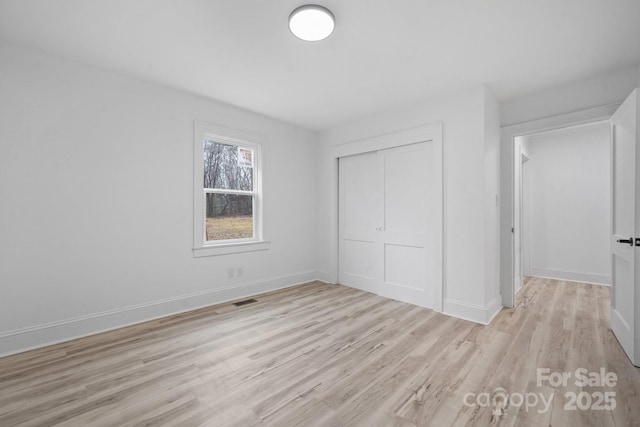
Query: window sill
[(230, 248)]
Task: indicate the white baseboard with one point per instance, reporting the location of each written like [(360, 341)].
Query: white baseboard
[(323, 276), (24, 339), (594, 279), (473, 312)]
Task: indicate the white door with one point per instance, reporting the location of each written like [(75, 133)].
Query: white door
[(406, 260), (358, 221), (625, 254), (385, 223)]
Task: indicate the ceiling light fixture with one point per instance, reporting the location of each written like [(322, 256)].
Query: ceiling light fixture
[(311, 22)]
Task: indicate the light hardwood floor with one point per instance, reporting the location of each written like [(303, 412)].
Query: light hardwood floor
[(327, 355)]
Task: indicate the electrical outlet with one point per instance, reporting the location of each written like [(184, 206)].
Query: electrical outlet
[(230, 273), (239, 272)]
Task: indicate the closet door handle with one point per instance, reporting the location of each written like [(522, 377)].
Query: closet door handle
[(629, 241)]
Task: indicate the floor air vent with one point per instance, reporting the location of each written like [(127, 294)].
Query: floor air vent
[(245, 302)]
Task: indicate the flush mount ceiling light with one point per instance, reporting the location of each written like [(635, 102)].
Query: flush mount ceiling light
[(311, 23)]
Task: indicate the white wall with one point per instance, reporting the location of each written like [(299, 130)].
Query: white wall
[(492, 199), (96, 202), (608, 88), (524, 142), (469, 190), (570, 203)]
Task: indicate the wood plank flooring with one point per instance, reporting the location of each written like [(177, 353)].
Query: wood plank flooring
[(327, 355)]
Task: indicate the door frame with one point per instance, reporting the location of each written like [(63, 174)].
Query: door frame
[(431, 132), (507, 185), (523, 157)]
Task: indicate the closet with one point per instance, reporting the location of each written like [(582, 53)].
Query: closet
[(389, 209)]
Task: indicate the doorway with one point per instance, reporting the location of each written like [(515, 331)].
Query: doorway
[(624, 156), (507, 185), (562, 209)]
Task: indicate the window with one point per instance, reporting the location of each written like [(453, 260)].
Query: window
[(228, 202), (228, 191)]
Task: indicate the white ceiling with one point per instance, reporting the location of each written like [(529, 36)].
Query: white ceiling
[(382, 55)]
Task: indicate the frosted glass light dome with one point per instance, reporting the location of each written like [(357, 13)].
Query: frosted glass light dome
[(311, 23)]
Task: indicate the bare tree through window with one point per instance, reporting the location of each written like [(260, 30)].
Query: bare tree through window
[(229, 212)]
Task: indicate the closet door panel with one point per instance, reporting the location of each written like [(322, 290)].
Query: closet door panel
[(359, 205), (406, 187)]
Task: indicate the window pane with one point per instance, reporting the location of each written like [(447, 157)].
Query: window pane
[(227, 166), (229, 216)]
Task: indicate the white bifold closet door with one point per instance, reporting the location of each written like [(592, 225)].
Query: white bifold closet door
[(385, 223)]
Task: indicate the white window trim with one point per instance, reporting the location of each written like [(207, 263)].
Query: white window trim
[(260, 241)]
